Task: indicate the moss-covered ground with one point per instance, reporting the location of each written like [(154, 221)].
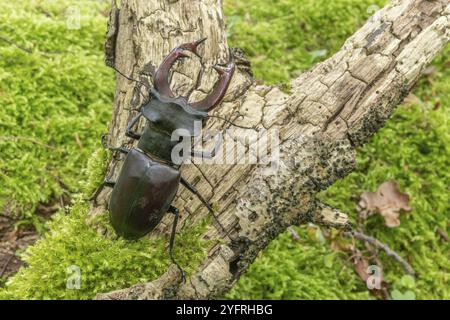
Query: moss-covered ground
[(56, 101)]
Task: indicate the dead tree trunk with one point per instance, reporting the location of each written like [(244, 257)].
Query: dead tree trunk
[(331, 109)]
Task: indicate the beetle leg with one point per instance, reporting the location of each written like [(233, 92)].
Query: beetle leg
[(192, 189), (105, 183), (176, 212), (214, 98), (161, 79), (119, 149), (105, 145), (209, 154), (129, 132), (109, 184)]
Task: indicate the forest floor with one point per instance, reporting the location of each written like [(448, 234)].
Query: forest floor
[(56, 96)]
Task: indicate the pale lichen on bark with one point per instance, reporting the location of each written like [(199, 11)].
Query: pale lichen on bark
[(332, 108)]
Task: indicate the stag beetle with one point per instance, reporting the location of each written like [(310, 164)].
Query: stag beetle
[(148, 180)]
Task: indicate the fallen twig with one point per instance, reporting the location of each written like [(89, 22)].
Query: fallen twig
[(443, 235), (5, 266), (30, 51), (293, 233), (16, 45), (28, 139), (375, 242)]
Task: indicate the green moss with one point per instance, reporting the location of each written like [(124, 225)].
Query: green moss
[(289, 270), (54, 108), (96, 167), (55, 102), (105, 263)]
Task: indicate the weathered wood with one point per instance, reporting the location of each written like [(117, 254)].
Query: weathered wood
[(333, 108)]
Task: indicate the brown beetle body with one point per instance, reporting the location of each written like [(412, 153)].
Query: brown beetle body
[(142, 195)]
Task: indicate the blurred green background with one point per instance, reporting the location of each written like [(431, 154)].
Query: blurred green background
[(56, 101)]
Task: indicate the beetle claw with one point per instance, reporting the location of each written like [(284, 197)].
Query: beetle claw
[(161, 79), (103, 138), (224, 68), (225, 73), (193, 46), (219, 70)]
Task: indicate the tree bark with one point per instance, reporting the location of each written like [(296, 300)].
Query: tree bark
[(331, 109)]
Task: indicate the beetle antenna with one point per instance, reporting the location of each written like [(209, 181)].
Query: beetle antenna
[(231, 122), (131, 79), (134, 80)]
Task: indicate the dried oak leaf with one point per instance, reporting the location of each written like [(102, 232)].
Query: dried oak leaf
[(361, 265), (387, 201)]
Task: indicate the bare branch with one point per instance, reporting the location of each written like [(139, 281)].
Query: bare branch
[(391, 253)]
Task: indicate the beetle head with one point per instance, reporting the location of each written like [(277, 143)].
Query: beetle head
[(170, 114)]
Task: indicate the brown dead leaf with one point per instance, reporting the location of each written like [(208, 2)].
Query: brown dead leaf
[(361, 265), (442, 234), (387, 201), (437, 105)]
